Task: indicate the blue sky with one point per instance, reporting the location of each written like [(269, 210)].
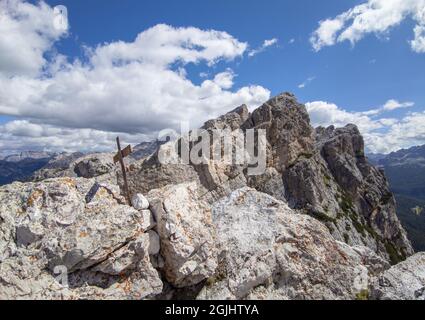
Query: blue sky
[(343, 74), (341, 80)]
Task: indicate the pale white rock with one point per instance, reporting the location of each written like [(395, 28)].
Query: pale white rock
[(321, 172), (404, 281), (147, 220), (84, 230), (140, 202), (267, 251), (125, 258), (244, 243), (186, 232)]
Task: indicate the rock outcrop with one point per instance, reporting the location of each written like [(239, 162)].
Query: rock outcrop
[(187, 236), (80, 229), (76, 165), (318, 223), (405, 170), (267, 251), (405, 281), (322, 172)]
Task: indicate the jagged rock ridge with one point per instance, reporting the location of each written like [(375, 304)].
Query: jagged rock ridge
[(319, 223), (321, 172)]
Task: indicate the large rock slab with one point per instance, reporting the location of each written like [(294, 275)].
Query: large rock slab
[(187, 235), (404, 281), (79, 228), (321, 172), (267, 251)]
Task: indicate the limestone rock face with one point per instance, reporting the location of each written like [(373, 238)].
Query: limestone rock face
[(267, 251), (321, 172), (404, 281), (79, 228), (289, 133), (318, 223), (150, 174), (232, 120), (186, 233), (362, 192)]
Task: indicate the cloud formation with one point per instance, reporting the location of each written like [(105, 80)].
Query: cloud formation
[(22, 135), (390, 105), (306, 82), (135, 88), (27, 32), (373, 16), (264, 46), (382, 134)]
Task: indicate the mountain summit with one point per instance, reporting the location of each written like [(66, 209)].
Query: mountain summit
[(322, 172), (318, 223)]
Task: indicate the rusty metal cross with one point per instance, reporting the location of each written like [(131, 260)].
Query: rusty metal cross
[(119, 157)]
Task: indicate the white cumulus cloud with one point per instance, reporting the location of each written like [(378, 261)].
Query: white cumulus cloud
[(382, 135), (27, 32), (22, 135), (133, 88), (372, 16), (264, 46), (390, 105)]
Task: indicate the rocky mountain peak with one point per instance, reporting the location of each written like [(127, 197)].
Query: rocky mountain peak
[(304, 228), (321, 172), (232, 120)]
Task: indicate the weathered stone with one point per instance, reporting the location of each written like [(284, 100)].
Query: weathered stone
[(326, 226), (363, 194), (232, 120), (267, 251), (154, 243), (271, 182), (94, 165), (76, 227), (147, 220), (149, 174), (404, 281), (289, 133), (139, 202), (321, 172), (28, 234), (187, 236), (126, 257)]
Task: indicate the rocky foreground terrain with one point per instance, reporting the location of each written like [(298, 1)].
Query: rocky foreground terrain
[(320, 223)]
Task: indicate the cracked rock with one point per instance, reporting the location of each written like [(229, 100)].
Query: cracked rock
[(186, 233)]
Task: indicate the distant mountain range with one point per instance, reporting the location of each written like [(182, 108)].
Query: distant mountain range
[(36, 166), (405, 170), (18, 167), (25, 155)]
